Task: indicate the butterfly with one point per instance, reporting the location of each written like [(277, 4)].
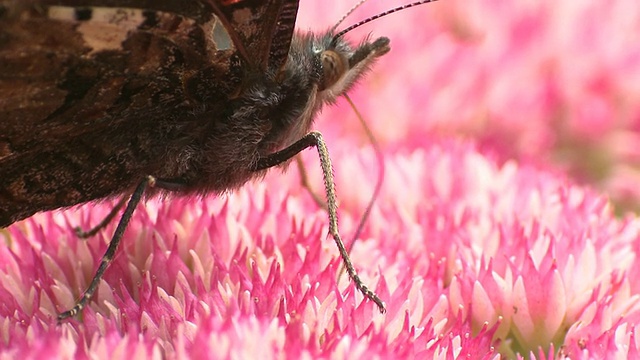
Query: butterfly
[(132, 98)]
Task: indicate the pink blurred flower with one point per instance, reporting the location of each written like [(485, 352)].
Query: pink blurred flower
[(556, 83)]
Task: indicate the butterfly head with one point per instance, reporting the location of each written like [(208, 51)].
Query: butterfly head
[(337, 65), (319, 69), (343, 65)]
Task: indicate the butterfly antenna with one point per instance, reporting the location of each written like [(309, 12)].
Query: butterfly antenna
[(333, 29), (378, 16), (376, 191)]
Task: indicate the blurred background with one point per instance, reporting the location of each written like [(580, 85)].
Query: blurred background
[(555, 84)]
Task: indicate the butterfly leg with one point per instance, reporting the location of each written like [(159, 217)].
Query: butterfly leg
[(111, 250), (82, 234), (314, 139), (304, 181)]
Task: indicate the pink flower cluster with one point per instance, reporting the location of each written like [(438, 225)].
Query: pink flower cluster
[(476, 256), (472, 259)]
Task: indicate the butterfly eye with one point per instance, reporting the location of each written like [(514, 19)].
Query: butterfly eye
[(334, 66)]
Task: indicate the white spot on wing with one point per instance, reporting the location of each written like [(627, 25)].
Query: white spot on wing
[(62, 13), (107, 28), (220, 36)]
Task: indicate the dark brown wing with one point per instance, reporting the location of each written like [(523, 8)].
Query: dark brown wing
[(199, 10), (84, 109), (88, 108), (261, 30)]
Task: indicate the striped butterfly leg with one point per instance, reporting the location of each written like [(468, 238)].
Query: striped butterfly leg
[(314, 139), (111, 249)]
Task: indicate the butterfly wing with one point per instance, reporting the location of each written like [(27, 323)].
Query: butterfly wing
[(89, 107), (261, 30), (77, 109)]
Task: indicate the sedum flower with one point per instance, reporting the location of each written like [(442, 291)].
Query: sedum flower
[(472, 258)]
